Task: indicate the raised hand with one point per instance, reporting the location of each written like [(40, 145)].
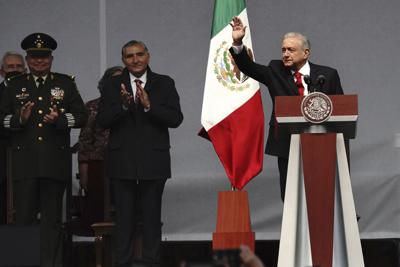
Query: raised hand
[(26, 111), (238, 30), (126, 97)]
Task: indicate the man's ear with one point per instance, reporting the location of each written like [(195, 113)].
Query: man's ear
[(307, 53)]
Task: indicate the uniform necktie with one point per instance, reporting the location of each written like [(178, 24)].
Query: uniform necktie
[(40, 82), (138, 83), (299, 83)]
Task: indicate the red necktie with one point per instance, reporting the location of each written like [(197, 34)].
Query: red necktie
[(138, 83), (299, 83)]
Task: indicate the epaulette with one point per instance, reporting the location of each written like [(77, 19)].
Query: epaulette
[(71, 77), (15, 76), (9, 79)]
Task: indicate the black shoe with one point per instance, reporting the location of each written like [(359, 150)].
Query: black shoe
[(358, 217)]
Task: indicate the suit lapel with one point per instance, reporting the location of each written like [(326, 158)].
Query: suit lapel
[(314, 72), (150, 80), (290, 80)]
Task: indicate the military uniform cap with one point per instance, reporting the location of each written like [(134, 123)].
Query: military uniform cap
[(39, 44)]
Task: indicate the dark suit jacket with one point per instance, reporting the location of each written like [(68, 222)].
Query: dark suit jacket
[(139, 144), (280, 82), (40, 149)]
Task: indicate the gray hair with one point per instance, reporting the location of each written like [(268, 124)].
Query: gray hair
[(132, 43), (305, 43), (11, 54)]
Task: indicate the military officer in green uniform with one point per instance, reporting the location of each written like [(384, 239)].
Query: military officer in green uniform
[(40, 108)]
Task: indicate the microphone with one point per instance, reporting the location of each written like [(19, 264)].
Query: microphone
[(320, 81), (307, 80)]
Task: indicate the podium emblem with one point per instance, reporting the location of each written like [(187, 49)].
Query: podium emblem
[(316, 107)]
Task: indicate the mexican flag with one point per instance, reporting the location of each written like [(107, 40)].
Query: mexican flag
[(232, 115)]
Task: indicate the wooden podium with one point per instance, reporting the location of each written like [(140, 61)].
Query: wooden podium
[(319, 225), (233, 221)]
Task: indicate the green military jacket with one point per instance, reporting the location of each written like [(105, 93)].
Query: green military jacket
[(40, 149)]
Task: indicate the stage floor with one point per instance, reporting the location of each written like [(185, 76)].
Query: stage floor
[(377, 253)]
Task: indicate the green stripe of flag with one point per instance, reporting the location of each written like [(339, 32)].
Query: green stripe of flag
[(224, 11)]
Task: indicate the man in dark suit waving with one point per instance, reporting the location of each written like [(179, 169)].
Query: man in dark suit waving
[(138, 107), (283, 78)]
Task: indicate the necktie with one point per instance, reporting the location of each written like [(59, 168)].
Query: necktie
[(299, 83), (138, 83), (40, 82)]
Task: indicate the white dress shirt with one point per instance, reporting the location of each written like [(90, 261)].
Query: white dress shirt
[(37, 77), (142, 78)]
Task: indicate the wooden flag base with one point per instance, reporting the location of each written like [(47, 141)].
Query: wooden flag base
[(233, 221)]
